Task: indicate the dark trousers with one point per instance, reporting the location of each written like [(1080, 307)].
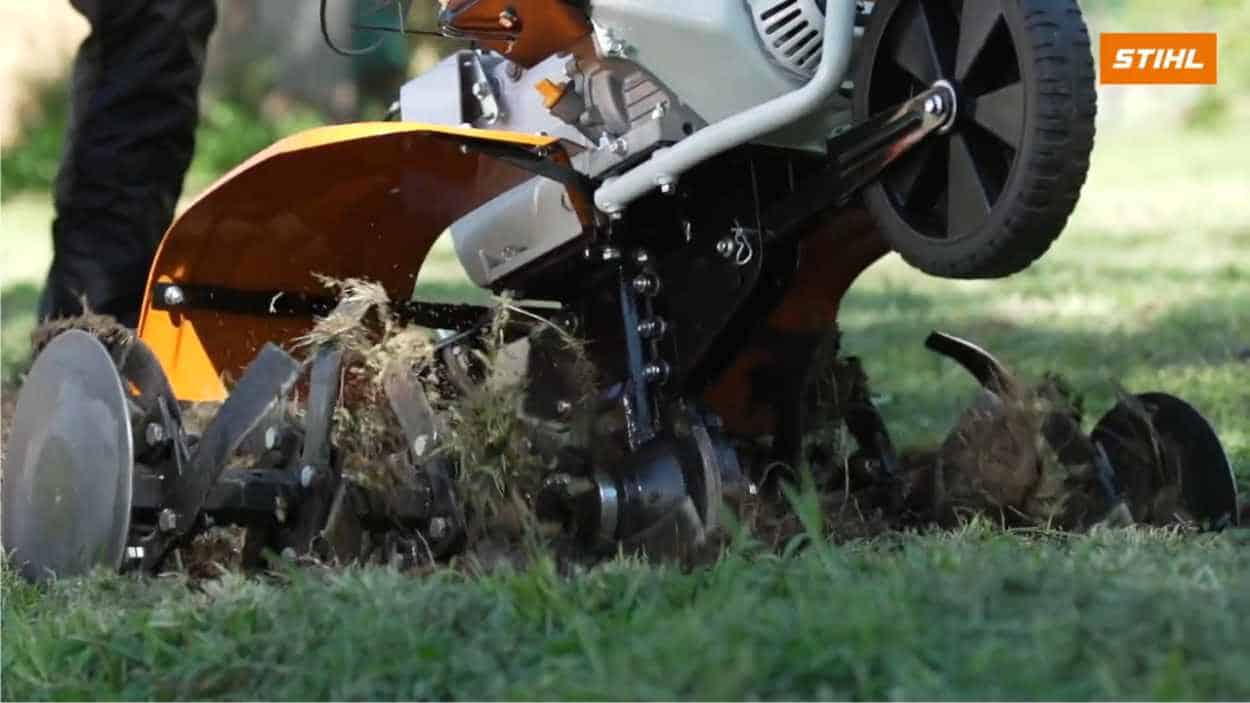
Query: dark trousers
[(130, 138)]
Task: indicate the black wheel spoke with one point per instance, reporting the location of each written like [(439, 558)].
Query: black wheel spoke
[(968, 203), (914, 47), (977, 22), (1002, 113)]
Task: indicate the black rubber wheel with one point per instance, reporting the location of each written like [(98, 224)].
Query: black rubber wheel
[(986, 198)]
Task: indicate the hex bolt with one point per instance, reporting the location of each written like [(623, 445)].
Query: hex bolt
[(438, 528), (167, 520), (617, 48), (725, 247), (659, 111), (508, 18), (668, 188), (653, 328), (618, 146), (480, 90), (154, 434), (657, 372), (514, 71), (563, 408), (645, 284), (307, 475), (174, 296)]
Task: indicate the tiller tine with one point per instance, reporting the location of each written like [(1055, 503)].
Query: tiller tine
[(1168, 460), (268, 379), (1153, 452)]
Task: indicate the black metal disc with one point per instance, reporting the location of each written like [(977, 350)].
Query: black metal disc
[(68, 466), (1157, 442)]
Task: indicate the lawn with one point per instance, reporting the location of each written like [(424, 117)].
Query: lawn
[(1148, 289)]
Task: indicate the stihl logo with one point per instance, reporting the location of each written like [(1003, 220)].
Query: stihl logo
[(1162, 59), (1158, 58)]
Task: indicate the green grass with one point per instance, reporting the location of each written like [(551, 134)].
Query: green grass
[(974, 614), (1149, 288)]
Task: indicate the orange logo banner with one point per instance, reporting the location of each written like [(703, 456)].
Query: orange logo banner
[(1170, 58)]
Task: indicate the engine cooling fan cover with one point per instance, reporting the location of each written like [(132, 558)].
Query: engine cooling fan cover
[(792, 32)]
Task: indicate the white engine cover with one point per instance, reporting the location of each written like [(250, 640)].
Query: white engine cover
[(710, 53)]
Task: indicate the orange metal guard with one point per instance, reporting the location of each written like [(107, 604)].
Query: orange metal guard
[(361, 200)]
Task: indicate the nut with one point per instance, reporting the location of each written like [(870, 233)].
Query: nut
[(154, 434), (167, 520), (657, 372), (652, 328), (271, 437), (645, 284)]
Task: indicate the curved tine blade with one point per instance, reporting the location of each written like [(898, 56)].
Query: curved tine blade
[(976, 23), (323, 395), (1208, 485), (1125, 434), (268, 378), (988, 370), (1001, 112), (69, 463), (914, 49), (143, 370), (412, 409), (968, 203), (866, 425)]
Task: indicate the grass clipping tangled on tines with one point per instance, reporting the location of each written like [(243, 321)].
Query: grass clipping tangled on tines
[(111, 333), (1018, 456), (365, 430), (484, 434)]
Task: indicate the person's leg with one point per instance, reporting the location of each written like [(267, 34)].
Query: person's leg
[(129, 142)]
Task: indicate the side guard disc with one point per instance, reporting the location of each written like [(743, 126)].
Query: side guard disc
[(1164, 453), (68, 466)]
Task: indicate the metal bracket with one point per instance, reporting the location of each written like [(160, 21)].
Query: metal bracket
[(268, 378), (859, 155)]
